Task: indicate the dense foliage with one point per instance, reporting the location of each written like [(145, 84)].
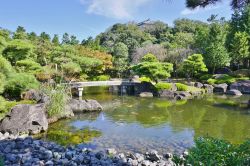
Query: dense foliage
[(152, 68), (210, 151), (150, 49)]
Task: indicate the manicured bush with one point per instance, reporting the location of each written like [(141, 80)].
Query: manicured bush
[(181, 87), (163, 86), (225, 79), (149, 58), (28, 66), (71, 69), (211, 151), (194, 65), (211, 81), (18, 83), (155, 70)]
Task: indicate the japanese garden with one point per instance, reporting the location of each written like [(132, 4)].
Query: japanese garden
[(142, 92)]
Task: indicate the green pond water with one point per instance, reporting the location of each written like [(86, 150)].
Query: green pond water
[(136, 124)]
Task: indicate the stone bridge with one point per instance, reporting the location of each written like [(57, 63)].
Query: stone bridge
[(121, 83)]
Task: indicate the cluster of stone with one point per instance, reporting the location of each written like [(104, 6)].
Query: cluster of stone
[(28, 151)]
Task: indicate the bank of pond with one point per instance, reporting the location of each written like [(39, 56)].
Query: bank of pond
[(214, 128)]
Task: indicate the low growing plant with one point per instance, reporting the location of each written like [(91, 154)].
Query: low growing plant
[(211, 151), (163, 86), (181, 87)]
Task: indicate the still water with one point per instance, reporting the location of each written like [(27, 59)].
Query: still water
[(136, 124)]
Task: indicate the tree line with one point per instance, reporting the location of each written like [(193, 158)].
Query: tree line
[(152, 48)]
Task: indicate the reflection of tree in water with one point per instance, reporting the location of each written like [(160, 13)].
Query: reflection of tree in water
[(65, 134), (204, 116)]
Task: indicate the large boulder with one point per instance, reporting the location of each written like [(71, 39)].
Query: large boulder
[(25, 118), (183, 93), (31, 95), (242, 86), (80, 106), (198, 85), (234, 92), (220, 88), (208, 88), (146, 94), (166, 94), (35, 95), (223, 70)]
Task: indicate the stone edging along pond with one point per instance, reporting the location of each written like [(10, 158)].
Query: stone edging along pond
[(28, 151), (33, 119)]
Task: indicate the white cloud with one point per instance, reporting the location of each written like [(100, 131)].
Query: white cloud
[(119, 9), (198, 10)]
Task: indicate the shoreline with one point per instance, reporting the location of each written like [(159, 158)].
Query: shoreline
[(29, 151)]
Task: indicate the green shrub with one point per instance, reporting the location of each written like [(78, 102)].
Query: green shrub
[(211, 81), (59, 97), (145, 79), (2, 82), (205, 77), (28, 66), (163, 86), (5, 66), (71, 69), (5, 106), (102, 78), (242, 78), (181, 87), (242, 73), (211, 151), (225, 79), (18, 83)]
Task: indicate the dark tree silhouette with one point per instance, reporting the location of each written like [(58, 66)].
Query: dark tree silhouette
[(236, 4)]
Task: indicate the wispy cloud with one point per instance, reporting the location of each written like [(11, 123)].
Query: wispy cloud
[(198, 10), (119, 9)]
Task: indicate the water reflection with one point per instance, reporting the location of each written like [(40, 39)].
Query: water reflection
[(139, 124), (66, 134)]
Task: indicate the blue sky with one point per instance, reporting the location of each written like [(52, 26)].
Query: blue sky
[(85, 18)]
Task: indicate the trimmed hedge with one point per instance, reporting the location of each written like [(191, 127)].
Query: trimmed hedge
[(181, 87), (163, 86)]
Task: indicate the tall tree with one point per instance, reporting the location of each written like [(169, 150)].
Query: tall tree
[(45, 36), (240, 48), (65, 38), (73, 40), (55, 40), (216, 54), (20, 33), (32, 36)]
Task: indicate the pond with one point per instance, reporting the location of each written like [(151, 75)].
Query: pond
[(136, 124)]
